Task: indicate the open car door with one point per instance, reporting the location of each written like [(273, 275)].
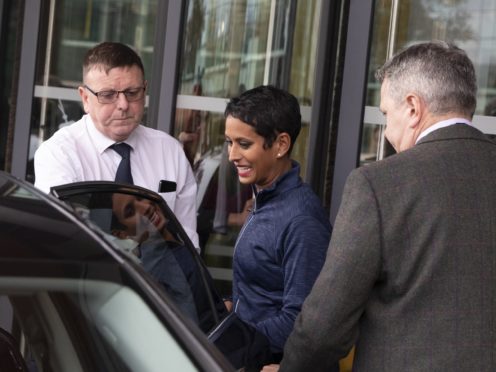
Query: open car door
[(139, 223)]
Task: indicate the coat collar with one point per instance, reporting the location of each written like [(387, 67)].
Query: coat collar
[(456, 131), (289, 180)]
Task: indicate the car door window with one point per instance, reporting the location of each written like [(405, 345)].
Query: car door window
[(139, 223), (88, 325), (148, 232)]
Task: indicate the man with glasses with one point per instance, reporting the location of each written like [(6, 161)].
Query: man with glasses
[(110, 143)]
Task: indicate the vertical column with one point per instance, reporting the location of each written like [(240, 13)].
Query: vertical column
[(352, 104), (163, 87), (24, 100)]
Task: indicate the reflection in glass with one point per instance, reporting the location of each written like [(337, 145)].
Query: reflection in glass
[(57, 113), (150, 236), (229, 47), (141, 223), (467, 23), (67, 31), (86, 324)]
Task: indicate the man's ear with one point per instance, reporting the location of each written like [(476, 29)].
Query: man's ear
[(283, 143), (84, 98), (415, 106)]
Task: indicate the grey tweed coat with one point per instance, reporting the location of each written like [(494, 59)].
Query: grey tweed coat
[(410, 274)]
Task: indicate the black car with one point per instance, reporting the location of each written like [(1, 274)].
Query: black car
[(101, 277)]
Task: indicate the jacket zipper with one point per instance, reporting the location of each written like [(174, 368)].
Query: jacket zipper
[(238, 239)]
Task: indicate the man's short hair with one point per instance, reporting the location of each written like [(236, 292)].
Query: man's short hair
[(109, 55), (439, 72)]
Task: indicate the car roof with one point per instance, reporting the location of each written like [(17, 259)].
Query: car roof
[(37, 226)]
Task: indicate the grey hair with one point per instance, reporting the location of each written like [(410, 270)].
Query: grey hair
[(439, 72)]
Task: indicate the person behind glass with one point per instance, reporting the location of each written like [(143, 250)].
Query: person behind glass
[(282, 245), (193, 122), (110, 143), (410, 272)]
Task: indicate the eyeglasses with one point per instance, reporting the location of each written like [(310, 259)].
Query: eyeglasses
[(110, 96)]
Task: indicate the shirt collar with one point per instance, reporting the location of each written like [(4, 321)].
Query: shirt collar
[(442, 124), (101, 141)]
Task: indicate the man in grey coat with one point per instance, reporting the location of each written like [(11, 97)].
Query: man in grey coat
[(410, 275)]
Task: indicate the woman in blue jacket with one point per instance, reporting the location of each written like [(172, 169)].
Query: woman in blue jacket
[(282, 245)]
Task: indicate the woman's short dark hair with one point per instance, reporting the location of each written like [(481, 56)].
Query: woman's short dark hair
[(269, 110)]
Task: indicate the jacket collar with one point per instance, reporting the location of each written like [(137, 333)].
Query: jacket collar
[(456, 131), (284, 183), (442, 124)]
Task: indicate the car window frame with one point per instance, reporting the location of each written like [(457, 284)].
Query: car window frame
[(66, 191)]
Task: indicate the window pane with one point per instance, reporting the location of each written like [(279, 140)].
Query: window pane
[(64, 324), (147, 232), (10, 14), (229, 47), (468, 24), (68, 30)]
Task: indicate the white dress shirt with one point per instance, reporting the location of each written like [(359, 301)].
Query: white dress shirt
[(442, 124), (80, 152)]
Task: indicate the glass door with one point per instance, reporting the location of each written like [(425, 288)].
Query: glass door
[(229, 47), (469, 24), (69, 28)]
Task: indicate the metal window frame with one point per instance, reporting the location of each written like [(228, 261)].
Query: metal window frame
[(329, 80), (1, 13), (165, 65), (327, 67), (353, 94), (25, 83), (163, 88)]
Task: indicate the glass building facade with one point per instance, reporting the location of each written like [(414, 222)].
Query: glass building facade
[(199, 53)]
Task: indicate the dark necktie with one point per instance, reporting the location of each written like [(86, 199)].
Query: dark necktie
[(123, 174)]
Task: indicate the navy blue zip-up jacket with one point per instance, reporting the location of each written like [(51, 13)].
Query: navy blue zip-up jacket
[(278, 255)]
